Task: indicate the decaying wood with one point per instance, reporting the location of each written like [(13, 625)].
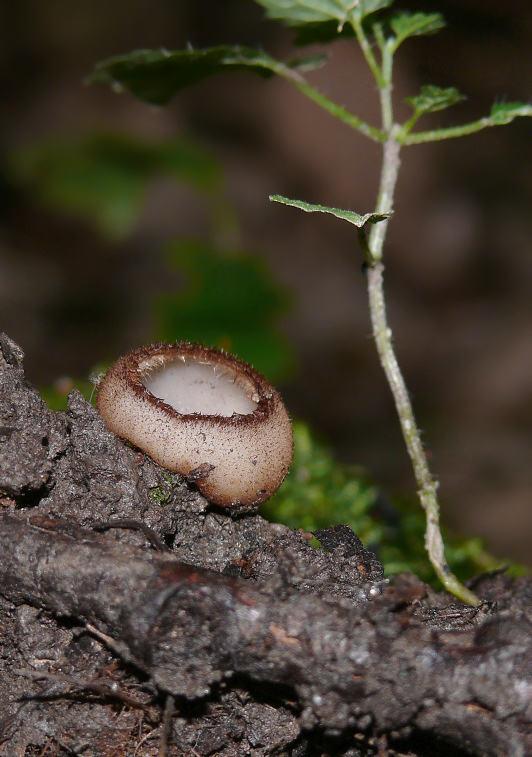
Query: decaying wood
[(259, 642)]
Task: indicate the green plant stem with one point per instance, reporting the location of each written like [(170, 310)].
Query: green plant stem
[(386, 89), (382, 334), (452, 132), (331, 107), (368, 52)]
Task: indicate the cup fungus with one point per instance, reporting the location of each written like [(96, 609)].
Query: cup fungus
[(204, 414)]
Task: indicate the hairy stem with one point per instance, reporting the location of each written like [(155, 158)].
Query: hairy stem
[(350, 119), (452, 132), (382, 334), (368, 52), (336, 110)]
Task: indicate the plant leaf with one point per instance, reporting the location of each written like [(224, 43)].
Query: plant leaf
[(406, 25), (346, 215), (321, 33), (433, 98), (504, 113), (301, 12), (155, 76)]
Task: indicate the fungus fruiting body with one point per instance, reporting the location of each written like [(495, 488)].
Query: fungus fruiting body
[(204, 414)]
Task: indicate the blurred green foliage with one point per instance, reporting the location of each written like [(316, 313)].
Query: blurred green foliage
[(230, 301), (103, 178), (56, 395)]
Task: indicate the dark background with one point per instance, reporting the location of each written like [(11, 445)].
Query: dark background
[(459, 257)]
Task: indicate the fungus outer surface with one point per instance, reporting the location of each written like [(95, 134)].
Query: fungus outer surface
[(193, 409)]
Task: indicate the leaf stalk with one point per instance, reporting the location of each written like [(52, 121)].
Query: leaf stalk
[(337, 110)]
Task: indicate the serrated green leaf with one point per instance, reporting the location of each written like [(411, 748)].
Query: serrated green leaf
[(301, 12), (365, 7), (433, 98), (346, 215), (407, 25), (155, 76), (504, 113), (321, 33)]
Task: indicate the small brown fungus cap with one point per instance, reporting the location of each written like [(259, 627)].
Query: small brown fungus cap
[(204, 414)]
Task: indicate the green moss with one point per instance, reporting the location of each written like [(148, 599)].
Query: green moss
[(161, 494), (56, 395), (319, 492)]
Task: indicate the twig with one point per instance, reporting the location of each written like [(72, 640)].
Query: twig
[(188, 628), (133, 525), (144, 739), (102, 687), (166, 726)]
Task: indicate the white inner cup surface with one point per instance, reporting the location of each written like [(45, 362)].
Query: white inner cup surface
[(206, 388)]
